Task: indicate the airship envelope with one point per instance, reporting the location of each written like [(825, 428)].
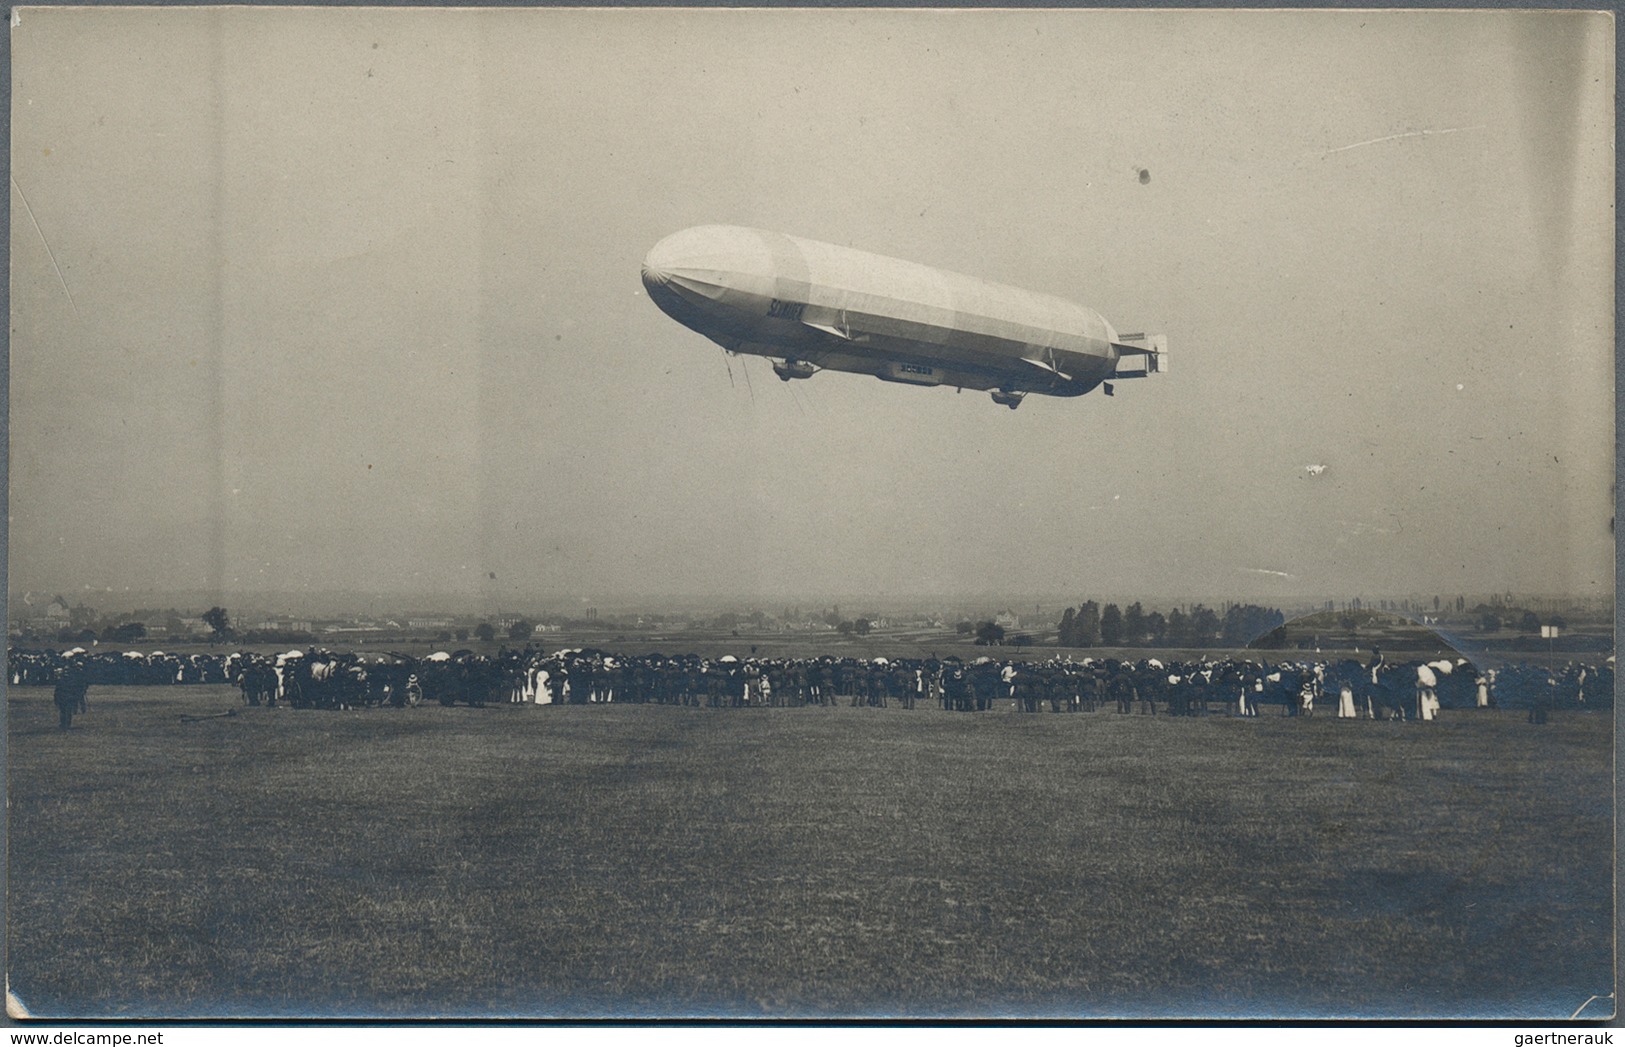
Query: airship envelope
[(811, 306)]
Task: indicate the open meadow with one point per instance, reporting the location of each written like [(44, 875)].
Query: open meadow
[(654, 860)]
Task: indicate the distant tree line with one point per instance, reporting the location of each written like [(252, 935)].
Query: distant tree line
[(1090, 625), (1494, 619), (221, 630)]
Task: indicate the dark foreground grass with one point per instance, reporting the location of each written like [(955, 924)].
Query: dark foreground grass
[(824, 862)]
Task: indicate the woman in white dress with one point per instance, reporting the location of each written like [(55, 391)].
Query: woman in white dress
[(1427, 700), (1345, 702)]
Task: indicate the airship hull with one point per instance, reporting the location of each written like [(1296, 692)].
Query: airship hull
[(813, 306)]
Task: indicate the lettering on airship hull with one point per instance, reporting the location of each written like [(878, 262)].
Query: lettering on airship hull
[(812, 306), (786, 310), (914, 374)]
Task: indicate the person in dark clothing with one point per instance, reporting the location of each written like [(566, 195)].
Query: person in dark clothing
[(1123, 690), (1540, 706), (70, 697)]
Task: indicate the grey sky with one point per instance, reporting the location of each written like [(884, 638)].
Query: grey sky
[(349, 298)]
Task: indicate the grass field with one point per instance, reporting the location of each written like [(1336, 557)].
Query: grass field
[(634, 860)]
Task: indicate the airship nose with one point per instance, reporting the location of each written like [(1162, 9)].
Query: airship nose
[(710, 261), (658, 265), (654, 278), (665, 257), (659, 272)]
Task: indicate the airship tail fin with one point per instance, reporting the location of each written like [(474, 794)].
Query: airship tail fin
[(1151, 348)]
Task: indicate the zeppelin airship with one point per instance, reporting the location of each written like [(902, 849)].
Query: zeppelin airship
[(811, 306)]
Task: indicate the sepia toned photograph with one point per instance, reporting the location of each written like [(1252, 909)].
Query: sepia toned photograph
[(810, 514)]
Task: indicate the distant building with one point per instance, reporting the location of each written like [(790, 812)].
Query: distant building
[(284, 625), (1006, 620)]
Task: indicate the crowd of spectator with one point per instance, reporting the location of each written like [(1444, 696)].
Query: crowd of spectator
[(1369, 689)]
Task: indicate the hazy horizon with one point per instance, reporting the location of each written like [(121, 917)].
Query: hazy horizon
[(339, 605), (348, 299)]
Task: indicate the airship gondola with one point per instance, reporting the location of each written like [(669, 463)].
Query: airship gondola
[(811, 306)]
